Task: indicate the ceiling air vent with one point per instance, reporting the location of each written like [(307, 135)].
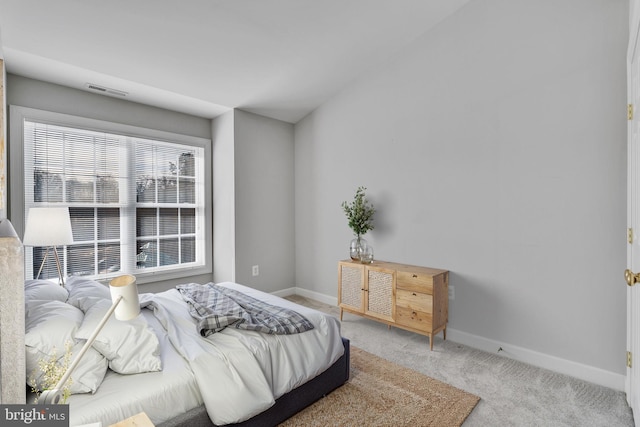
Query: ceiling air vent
[(106, 90)]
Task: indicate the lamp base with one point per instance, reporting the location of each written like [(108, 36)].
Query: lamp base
[(50, 397), (44, 260)]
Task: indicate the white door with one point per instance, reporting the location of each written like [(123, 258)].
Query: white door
[(633, 212)]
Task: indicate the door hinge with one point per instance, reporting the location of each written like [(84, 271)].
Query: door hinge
[(630, 235), (630, 111), (628, 359)]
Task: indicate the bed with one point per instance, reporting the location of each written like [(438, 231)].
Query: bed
[(162, 365)]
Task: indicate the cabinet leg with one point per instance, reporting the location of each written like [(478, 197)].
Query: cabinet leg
[(431, 342), (444, 332), (341, 314)]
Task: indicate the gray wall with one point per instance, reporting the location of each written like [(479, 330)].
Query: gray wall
[(46, 96), (224, 224), (264, 204), (253, 178), (494, 146), (31, 93)]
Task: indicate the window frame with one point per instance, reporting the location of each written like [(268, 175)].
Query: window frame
[(17, 117)]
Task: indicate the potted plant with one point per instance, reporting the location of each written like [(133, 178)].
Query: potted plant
[(360, 215)]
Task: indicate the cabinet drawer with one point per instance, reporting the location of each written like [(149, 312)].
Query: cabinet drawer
[(414, 300), (415, 281), (414, 319)]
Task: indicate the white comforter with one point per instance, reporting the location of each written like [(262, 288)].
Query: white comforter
[(240, 373)]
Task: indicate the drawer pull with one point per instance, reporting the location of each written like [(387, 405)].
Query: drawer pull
[(415, 276)]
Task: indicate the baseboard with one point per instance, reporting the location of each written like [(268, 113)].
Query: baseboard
[(532, 357), (317, 296), (542, 360), (307, 294), (285, 292)]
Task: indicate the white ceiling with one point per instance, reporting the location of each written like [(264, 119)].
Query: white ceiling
[(278, 58)]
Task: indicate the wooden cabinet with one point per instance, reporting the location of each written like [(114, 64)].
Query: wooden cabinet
[(405, 296)]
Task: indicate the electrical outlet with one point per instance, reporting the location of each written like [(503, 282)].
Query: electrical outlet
[(452, 293), (255, 270)]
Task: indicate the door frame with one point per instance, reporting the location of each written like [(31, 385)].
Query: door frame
[(632, 381)]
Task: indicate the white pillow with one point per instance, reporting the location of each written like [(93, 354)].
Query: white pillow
[(84, 293), (130, 346), (44, 290), (49, 325)]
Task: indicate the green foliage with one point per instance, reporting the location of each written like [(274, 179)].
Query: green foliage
[(359, 213)]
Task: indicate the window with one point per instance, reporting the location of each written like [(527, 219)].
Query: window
[(137, 203)]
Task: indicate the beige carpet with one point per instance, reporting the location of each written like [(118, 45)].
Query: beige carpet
[(381, 393)]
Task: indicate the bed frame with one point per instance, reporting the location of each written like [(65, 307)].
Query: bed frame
[(286, 405)]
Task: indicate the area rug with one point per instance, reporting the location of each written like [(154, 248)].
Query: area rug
[(382, 393)]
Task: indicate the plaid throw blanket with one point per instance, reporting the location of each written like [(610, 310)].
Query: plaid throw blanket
[(216, 307)]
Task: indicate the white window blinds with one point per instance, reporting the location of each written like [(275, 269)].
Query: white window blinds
[(137, 205)]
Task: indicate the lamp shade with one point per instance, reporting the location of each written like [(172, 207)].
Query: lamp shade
[(48, 227), (125, 287)]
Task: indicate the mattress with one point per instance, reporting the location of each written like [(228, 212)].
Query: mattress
[(234, 373)]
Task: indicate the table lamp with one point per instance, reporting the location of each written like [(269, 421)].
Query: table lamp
[(49, 227), (125, 304)]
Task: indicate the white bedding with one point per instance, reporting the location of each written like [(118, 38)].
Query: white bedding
[(160, 394), (235, 373)]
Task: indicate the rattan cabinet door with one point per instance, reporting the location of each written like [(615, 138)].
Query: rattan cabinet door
[(351, 286), (380, 290)]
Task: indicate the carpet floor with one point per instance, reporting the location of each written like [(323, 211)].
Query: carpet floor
[(382, 393), (511, 393)]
